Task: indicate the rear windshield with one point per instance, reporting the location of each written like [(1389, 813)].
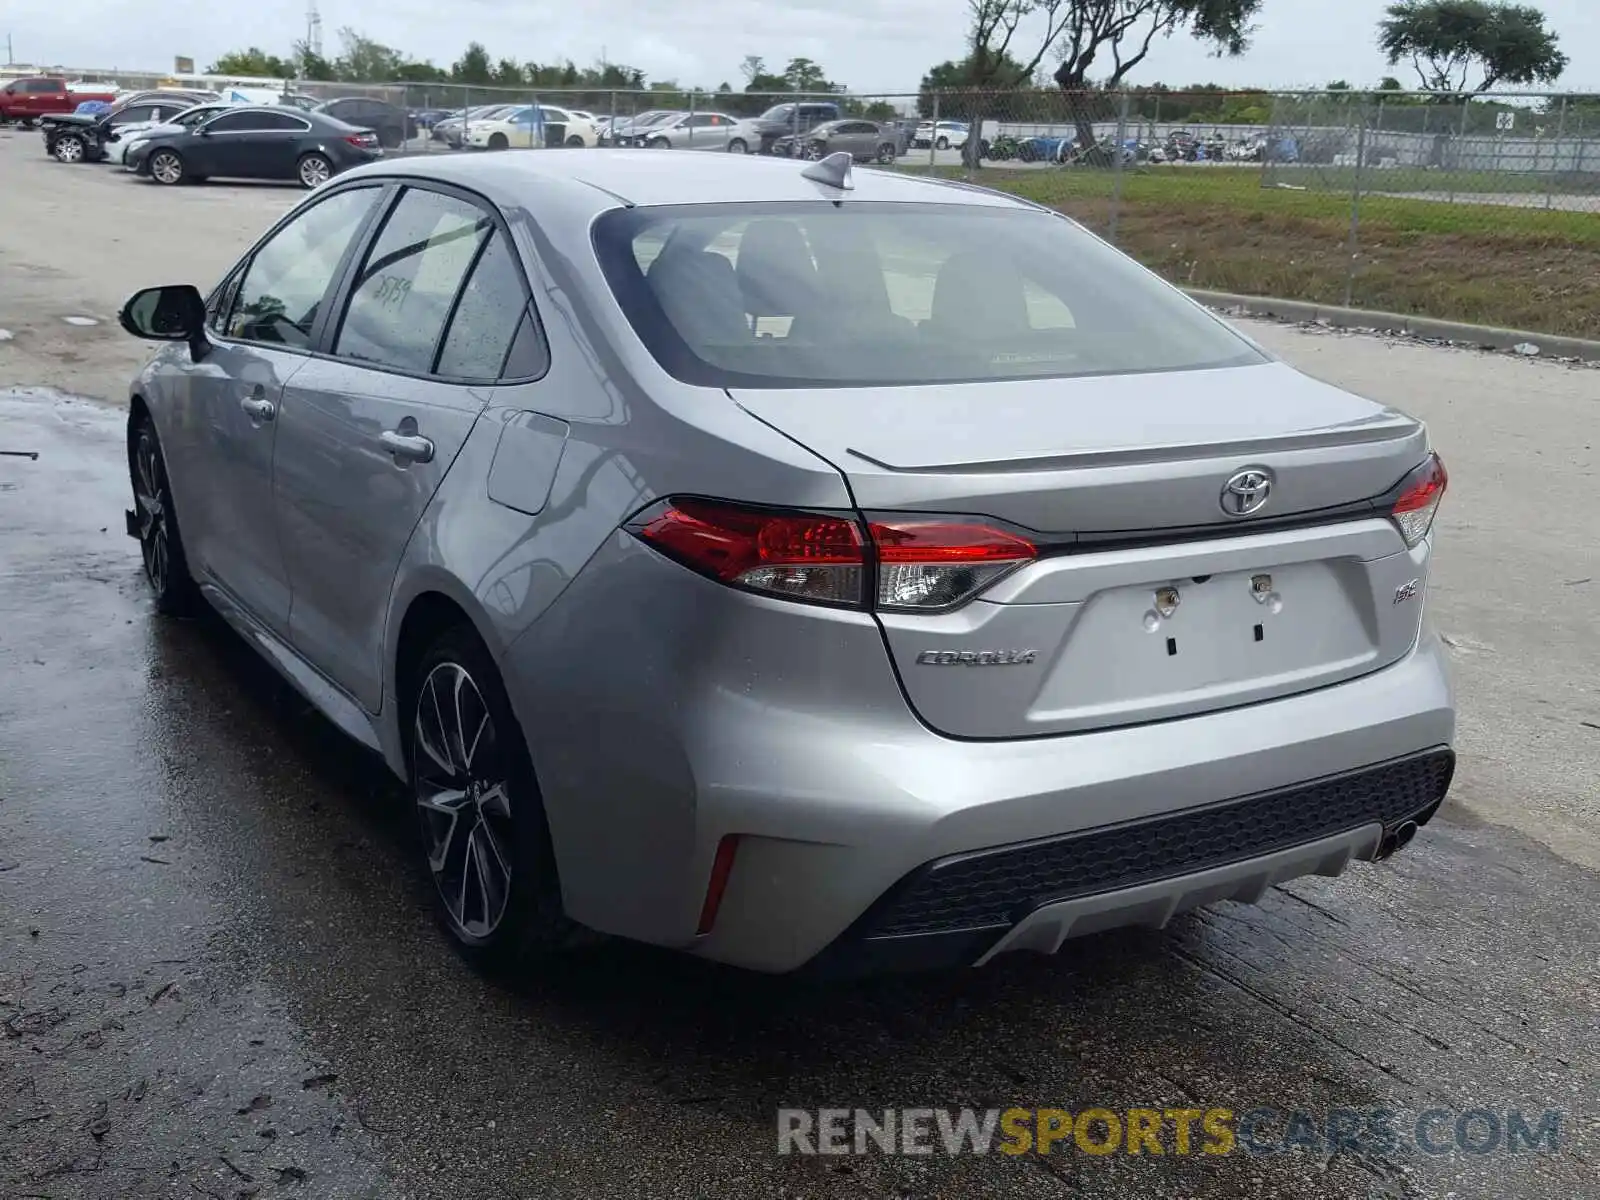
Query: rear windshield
[(871, 294)]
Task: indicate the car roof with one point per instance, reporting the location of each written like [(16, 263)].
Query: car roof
[(648, 177)]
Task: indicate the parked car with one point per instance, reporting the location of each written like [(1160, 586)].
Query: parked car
[(393, 125), (532, 126), (790, 120), (84, 137), (625, 131), (427, 118), (710, 604), (24, 101), (864, 141), (123, 138), (941, 135), (256, 143), (453, 130), (690, 131)]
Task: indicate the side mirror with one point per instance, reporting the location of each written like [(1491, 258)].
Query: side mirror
[(174, 313)]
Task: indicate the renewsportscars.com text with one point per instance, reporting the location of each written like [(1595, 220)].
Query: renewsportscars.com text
[(1163, 1131)]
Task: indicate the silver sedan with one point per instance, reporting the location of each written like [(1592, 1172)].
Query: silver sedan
[(792, 566)]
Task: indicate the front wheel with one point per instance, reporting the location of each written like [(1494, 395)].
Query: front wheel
[(658, 143), (815, 150), (314, 170), (499, 141), (166, 167), (886, 153), (738, 146), (156, 525), (942, 144), (70, 148), (481, 820)]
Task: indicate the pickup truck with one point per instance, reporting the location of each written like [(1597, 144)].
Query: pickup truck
[(24, 101)]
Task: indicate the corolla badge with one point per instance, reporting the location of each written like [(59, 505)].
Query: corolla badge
[(977, 658), (1246, 492)]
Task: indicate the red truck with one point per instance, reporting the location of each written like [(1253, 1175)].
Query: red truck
[(26, 100)]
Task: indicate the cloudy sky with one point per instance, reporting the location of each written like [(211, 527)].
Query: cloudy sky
[(871, 45)]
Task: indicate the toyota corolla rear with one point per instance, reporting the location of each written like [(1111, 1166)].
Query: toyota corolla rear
[(1115, 615)]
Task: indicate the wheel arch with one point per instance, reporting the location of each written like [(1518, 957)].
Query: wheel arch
[(437, 604)]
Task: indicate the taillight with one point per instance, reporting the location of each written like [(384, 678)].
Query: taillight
[(928, 565), (1420, 493), (803, 556), (920, 565)]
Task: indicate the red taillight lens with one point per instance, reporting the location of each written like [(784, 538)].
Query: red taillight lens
[(802, 556), (923, 565), (1420, 493), (929, 565)]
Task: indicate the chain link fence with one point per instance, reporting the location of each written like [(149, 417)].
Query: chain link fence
[(1483, 208)]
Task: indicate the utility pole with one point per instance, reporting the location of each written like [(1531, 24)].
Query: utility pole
[(10, 61), (313, 29)]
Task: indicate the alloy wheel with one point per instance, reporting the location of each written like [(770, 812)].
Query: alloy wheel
[(69, 150), (463, 801), (150, 495), (166, 167), (314, 170)]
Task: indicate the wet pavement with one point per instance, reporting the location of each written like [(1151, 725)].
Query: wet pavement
[(219, 975)]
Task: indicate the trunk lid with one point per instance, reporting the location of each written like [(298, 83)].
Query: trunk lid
[(1148, 600)]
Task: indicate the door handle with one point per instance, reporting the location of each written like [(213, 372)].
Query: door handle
[(412, 447), (259, 408)]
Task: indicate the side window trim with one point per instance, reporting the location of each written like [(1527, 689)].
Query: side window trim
[(345, 281)]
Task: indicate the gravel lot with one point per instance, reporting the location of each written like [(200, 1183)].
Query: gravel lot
[(218, 976)]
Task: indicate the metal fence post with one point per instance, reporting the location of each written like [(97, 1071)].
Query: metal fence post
[(1555, 156), (1355, 212), (933, 135), (1117, 152), (691, 118)]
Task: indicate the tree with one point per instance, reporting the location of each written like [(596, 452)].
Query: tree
[(803, 75), (957, 76), (1448, 41), (367, 61), (1085, 32), (252, 63), (1126, 29), (473, 66)]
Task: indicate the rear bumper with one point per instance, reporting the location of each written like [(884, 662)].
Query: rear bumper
[(658, 730), (966, 909)]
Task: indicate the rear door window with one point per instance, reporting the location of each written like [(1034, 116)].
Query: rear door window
[(406, 289), (492, 309)]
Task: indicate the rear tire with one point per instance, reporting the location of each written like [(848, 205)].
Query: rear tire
[(886, 154), (166, 568), (574, 142), (738, 146), (481, 822), (498, 141), (942, 144), (313, 170)]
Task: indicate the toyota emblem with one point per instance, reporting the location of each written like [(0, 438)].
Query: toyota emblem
[(1246, 492)]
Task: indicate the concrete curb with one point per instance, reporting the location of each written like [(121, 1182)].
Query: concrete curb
[(1486, 337)]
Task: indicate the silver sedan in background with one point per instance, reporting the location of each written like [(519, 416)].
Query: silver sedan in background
[(792, 568), (690, 131)]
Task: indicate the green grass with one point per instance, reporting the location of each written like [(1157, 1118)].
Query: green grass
[(1218, 227)]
